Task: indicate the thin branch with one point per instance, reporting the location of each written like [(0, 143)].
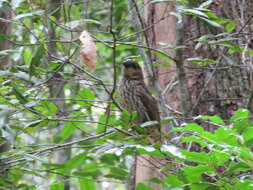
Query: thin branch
[(56, 147), (183, 84)]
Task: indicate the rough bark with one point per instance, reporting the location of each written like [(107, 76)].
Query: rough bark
[(147, 167), (214, 89), (5, 29), (223, 88), (157, 18)]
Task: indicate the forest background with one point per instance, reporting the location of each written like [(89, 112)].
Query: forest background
[(60, 120)]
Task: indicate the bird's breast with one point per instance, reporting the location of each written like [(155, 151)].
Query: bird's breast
[(130, 98)]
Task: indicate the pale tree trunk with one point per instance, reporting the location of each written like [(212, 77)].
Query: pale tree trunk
[(158, 26), (191, 90)]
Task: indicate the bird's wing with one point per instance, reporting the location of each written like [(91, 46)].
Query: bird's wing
[(149, 102), (151, 106)]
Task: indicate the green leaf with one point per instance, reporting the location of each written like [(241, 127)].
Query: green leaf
[(103, 120), (8, 52), (20, 75), (89, 170), (27, 56), (117, 173), (218, 158), (88, 184), (206, 4), (51, 108), (194, 173), (76, 23), (215, 119), (246, 154), (149, 150), (125, 117), (250, 52), (201, 61), (198, 157), (57, 185), (35, 61), (240, 114), (109, 159), (142, 186), (212, 23), (73, 163), (85, 94), (237, 167), (225, 41), (245, 184), (202, 186), (173, 181), (19, 95), (149, 124), (195, 139), (193, 12), (68, 129), (191, 127), (226, 136), (230, 26), (34, 123), (37, 12), (171, 150)]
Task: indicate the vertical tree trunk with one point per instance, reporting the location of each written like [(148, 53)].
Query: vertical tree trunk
[(222, 88), (159, 27), (219, 89), (5, 29)]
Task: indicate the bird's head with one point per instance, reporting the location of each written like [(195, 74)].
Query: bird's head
[(132, 70)]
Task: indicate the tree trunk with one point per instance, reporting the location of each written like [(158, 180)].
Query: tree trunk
[(191, 90), (5, 61), (5, 29), (223, 88), (157, 25)]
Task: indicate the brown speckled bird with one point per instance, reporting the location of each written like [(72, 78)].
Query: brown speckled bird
[(134, 96)]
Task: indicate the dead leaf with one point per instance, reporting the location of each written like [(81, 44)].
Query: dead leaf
[(88, 51)]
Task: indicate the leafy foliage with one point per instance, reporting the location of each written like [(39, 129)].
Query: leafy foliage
[(64, 124), (226, 158)]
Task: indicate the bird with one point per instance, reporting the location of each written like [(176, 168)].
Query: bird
[(135, 97)]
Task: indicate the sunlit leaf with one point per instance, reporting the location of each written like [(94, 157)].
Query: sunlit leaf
[(73, 163), (87, 184), (8, 52), (194, 173), (68, 129), (173, 181), (240, 114), (215, 119), (37, 12), (230, 27), (35, 61), (142, 186)]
